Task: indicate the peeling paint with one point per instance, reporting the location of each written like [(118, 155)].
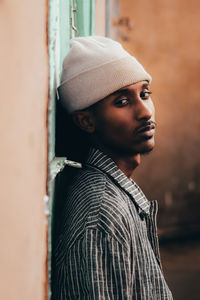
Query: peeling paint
[(60, 31)]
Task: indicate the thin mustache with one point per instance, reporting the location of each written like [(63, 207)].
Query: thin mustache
[(144, 124)]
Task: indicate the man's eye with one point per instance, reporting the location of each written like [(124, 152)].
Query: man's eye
[(122, 102), (145, 94)]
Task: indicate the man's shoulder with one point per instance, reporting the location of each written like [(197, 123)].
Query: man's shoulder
[(98, 188), (95, 202), (88, 180), (94, 188), (92, 181)]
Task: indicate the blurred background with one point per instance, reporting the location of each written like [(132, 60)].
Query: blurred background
[(165, 37)]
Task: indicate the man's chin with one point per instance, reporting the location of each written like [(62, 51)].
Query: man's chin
[(142, 148), (147, 151), (141, 151), (147, 148)]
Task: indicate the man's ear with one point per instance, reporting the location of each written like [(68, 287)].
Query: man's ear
[(84, 120)]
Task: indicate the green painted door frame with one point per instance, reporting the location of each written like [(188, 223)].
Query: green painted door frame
[(67, 19)]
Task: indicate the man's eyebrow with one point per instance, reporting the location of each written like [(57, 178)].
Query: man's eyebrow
[(126, 90), (146, 84)]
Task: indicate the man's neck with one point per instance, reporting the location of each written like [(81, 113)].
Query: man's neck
[(126, 164)]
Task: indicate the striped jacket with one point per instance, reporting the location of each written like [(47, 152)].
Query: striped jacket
[(108, 246)]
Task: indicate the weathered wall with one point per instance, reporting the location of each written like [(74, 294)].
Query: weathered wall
[(165, 36), (100, 15), (106, 15), (23, 151)]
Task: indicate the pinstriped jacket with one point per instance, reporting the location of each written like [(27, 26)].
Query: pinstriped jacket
[(108, 246)]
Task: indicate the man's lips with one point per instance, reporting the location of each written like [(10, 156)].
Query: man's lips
[(146, 129)]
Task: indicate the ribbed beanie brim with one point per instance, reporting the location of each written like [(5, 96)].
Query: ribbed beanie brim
[(94, 68)]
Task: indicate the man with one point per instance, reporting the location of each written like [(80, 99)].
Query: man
[(108, 247)]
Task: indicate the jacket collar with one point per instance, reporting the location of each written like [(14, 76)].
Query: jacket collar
[(101, 161)]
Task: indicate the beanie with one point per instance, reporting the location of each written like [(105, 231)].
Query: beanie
[(94, 68)]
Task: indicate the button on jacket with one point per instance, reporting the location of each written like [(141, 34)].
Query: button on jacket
[(108, 246)]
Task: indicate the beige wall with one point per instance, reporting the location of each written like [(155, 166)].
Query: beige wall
[(100, 15), (23, 151), (100, 18), (165, 36)]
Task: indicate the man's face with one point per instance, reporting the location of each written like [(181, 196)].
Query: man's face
[(124, 121)]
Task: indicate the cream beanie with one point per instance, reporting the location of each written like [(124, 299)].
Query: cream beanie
[(94, 68)]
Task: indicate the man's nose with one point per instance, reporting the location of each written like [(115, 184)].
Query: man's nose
[(144, 110)]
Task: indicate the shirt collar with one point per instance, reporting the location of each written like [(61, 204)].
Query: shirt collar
[(101, 161)]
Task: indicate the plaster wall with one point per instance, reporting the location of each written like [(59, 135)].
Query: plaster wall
[(23, 151), (165, 37), (106, 11), (100, 16)]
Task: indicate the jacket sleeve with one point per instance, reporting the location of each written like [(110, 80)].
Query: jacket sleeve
[(96, 267), (109, 267)]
